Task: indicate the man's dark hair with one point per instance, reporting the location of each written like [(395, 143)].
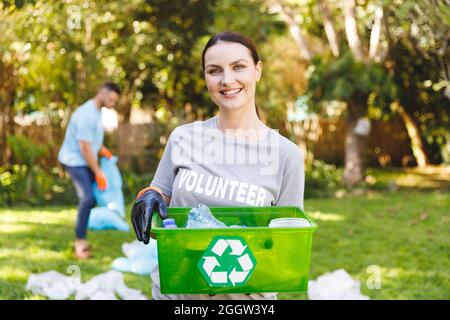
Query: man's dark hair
[(111, 87)]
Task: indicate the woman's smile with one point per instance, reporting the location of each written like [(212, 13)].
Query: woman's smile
[(230, 93)]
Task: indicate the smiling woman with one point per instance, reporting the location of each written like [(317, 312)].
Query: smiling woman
[(232, 67), (230, 160)]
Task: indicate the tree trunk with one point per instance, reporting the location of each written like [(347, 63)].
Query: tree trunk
[(354, 164), (29, 182), (125, 104), (8, 83), (127, 112), (414, 135), (355, 144)]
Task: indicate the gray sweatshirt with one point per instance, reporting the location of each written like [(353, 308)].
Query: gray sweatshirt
[(201, 164)]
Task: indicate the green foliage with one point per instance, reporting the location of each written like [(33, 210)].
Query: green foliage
[(44, 187), (420, 88), (252, 18), (151, 48), (133, 183), (427, 21), (26, 182), (418, 61), (322, 180), (283, 80), (25, 151), (70, 47), (343, 78)]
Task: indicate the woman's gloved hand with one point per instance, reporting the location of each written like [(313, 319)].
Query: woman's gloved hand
[(148, 201)]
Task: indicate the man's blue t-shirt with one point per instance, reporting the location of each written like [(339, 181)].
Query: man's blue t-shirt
[(85, 124)]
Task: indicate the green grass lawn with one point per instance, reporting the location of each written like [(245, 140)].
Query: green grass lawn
[(404, 233)]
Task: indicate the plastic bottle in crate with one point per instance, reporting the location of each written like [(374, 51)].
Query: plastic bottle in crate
[(202, 217)]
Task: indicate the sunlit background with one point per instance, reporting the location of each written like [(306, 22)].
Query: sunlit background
[(361, 86)]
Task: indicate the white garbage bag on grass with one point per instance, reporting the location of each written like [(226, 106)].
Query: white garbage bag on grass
[(336, 285)]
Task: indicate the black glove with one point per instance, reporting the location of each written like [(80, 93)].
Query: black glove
[(142, 212)]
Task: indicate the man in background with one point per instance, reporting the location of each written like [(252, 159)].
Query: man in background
[(83, 142)]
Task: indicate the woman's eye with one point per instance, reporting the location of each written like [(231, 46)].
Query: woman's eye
[(213, 71), (239, 67)]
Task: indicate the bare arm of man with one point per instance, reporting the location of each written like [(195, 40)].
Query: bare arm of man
[(86, 151)]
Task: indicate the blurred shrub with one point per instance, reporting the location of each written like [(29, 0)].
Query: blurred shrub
[(53, 187), (25, 153), (133, 183), (25, 182), (322, 179), (24, 150), (46, 187)]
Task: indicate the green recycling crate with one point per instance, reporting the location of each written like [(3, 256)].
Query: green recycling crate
[(234, 260)]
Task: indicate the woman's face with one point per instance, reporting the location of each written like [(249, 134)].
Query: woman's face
[(231, 75)]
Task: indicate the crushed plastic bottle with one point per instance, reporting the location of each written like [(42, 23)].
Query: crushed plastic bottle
[(202, 217)]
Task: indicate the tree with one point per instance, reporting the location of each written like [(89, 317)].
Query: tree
[(418, 34), (12, 55), (145, 46), (340, 73)]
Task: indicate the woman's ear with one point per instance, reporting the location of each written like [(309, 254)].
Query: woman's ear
[(258, 68)]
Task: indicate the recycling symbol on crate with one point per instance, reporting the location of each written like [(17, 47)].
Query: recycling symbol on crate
[(227, 262)]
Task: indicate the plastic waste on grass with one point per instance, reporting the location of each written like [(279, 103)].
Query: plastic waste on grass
[(336, 285), (106, 286), (139, 258), (53, 285)]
